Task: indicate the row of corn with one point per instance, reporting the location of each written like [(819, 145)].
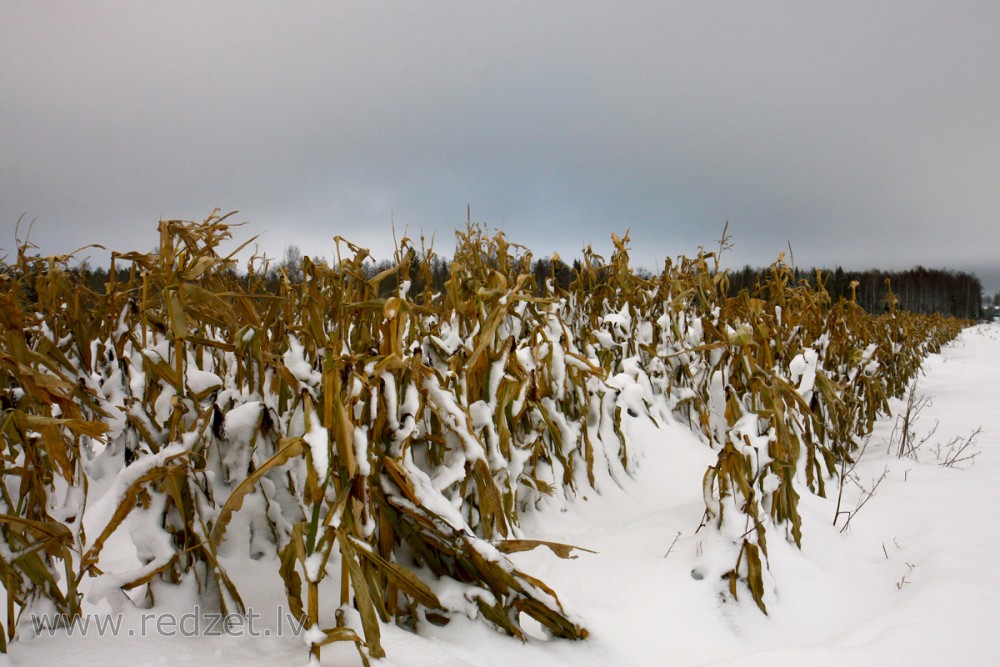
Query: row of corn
[(380, 449)]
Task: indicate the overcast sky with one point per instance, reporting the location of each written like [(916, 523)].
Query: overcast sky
[(862, 133)]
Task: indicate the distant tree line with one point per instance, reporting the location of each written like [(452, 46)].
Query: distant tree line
[(991, 306), (918, 290), (561, 274)]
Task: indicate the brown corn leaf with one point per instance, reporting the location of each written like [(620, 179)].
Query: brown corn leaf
[(561, 550)]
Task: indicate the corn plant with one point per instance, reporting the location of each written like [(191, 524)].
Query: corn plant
[(389, 436)]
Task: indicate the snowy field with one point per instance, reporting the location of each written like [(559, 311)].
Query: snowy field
[(913, 581)]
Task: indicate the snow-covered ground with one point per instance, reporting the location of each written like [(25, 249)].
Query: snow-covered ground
[(913, 581)]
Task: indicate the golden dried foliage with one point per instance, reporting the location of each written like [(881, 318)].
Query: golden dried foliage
[(394, 439)]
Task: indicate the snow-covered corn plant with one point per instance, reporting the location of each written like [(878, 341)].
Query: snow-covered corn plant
[(378, 443)]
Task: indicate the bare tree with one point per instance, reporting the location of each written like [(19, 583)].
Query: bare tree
[(292, 263)]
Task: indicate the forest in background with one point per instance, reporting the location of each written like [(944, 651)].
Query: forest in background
[(917, 290)]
